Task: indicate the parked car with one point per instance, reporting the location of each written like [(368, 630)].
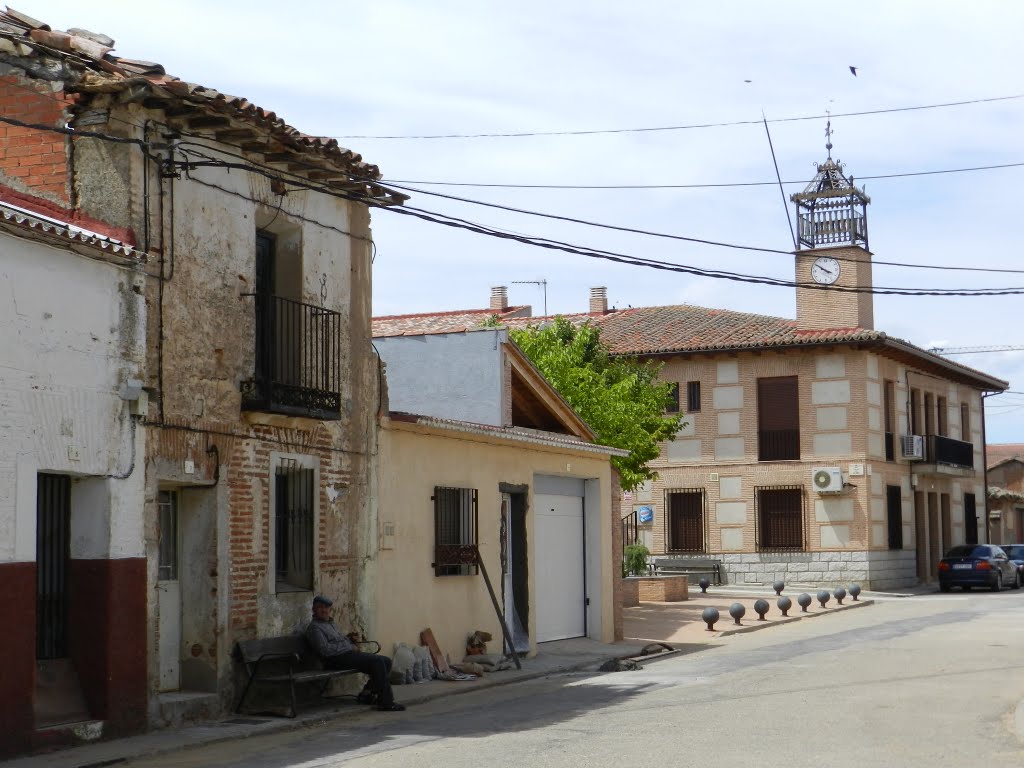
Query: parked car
[(978, 565), (1016, 553)]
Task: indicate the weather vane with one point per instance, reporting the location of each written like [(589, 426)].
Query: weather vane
[(828, 133)]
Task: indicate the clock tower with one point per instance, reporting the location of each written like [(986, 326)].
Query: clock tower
[(832, 258)]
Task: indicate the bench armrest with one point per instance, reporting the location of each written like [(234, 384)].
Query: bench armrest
[(374, 643)]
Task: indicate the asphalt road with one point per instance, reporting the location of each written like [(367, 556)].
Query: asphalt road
[(936, 680)]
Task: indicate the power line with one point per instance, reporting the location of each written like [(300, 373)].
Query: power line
[(722, 185), (521, 134), (668, 236), (451, 221)]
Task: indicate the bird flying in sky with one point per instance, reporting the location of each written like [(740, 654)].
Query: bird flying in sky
[(854, 71)]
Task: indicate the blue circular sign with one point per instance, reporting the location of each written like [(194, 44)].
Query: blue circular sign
[(645, 515)]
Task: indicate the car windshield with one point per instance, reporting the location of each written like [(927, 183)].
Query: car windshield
[(969, 550), (1014, 551)]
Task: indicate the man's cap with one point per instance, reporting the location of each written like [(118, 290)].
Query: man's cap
[(323, 601)]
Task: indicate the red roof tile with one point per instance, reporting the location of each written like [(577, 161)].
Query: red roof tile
[(686, 329), (88, 57), (997, 453)]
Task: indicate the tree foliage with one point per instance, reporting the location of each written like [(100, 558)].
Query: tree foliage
[(620, 398)]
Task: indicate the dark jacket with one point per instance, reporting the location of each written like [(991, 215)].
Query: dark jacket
[(326, 639)]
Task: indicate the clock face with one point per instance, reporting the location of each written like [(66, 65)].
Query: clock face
[(825, 270)]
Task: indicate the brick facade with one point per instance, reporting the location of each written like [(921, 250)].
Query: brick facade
[(34, 160), (842, 414)]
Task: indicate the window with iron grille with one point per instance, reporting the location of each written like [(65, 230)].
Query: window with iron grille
[(673, 393), (780, 517), (167, 564), (778, 419), (294, 519), (684, 510), (455, 531), (692, 396), (894, 515)]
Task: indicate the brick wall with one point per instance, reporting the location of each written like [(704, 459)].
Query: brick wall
[(655, 589), (31, 159)]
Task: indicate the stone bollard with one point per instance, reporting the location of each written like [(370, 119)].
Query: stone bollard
[(854, 591), (710, 616), (761, 608), (804, 600), (840, 593), (703, 583), (778, 586), (785, 604), (736, 610), (823, 597)]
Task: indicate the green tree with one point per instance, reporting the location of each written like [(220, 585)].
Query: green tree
[(620, 398)]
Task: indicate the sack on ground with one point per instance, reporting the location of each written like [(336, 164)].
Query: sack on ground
[(402, 664)]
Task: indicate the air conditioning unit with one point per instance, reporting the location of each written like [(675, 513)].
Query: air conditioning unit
[(827, 479), (913, 446)]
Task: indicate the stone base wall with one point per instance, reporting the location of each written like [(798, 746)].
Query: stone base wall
[(872, 570), (654, 589)]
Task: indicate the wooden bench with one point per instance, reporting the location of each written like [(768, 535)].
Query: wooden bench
[(667, 566), (287, 659)]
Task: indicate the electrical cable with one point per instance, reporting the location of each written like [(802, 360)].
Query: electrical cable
[(722, 185), (521, 134), (451, 221)]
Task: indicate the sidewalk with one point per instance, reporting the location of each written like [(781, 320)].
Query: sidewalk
[(678, 624)]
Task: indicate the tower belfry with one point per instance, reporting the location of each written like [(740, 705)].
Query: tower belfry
[(831, 210), (833, 263)]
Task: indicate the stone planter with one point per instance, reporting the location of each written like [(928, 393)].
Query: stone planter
[(654, 589)]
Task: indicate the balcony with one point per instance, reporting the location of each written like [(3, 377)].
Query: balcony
[(778, 444), (298, 360), (954, 453)]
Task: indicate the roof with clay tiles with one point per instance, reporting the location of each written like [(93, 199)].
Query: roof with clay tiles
[(997, 453), (91, 67), (688, 329)]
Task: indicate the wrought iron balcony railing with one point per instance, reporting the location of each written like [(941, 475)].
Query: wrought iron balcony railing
[(298, 360), (778, 444)]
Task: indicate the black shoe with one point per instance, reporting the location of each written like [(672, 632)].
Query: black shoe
[(392, 707), (366, 697)]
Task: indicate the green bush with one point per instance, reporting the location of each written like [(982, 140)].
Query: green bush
[(635, 556)]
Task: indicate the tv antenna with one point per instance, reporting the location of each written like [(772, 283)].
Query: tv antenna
[(543, 284)]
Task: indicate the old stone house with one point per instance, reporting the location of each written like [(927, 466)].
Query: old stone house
[(479, 454), (255, 401)]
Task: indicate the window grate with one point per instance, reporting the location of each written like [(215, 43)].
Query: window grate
[(685, 511), (780, 518), (293, 525), (693, 396), (455, 531)]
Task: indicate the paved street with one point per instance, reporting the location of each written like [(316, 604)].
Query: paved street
[(921, 681)]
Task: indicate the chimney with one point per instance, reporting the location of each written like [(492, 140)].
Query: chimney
[(499, 298), (599, 301)]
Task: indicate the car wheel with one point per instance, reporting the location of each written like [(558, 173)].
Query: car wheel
[(944, 587), (1017, 581), (997, 585)]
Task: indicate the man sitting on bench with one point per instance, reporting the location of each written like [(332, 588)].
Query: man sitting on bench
[(338, 651)]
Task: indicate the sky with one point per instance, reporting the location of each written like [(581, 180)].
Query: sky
[(359, 70)]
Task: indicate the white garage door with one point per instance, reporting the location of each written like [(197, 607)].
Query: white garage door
[(559, 567)]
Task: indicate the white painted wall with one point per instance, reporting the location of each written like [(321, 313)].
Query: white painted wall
[(446, 375), (73, 331)]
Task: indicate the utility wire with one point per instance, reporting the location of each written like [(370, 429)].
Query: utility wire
[(651, 233), (146, 150), (521, 134), (725, 185)]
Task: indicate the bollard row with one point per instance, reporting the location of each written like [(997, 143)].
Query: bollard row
[(710, 615)]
